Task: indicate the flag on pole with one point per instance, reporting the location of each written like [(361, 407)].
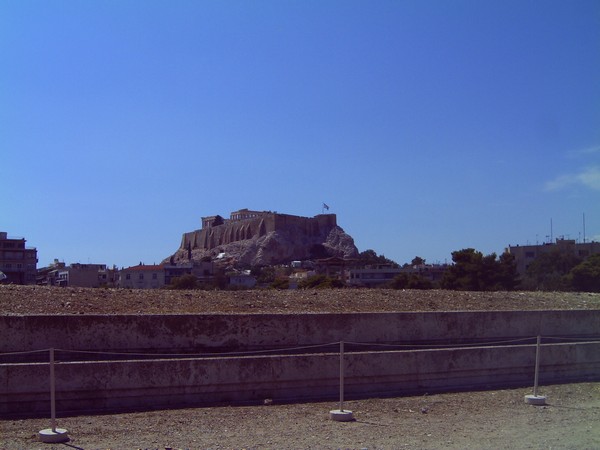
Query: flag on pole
[(325, 206)]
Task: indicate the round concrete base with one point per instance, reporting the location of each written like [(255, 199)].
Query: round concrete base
[(537, 400), (51, 437), (341, 416)]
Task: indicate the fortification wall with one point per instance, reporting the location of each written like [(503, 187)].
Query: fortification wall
[(254, 228)]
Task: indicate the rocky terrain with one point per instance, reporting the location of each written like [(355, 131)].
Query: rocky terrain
[(274, 248), (23, 300)]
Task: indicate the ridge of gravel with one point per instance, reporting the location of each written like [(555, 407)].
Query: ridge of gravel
[(35, 300)]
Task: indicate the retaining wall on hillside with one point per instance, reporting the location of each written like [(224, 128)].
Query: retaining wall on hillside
[(124, 385), (161, 383), (198, 333)]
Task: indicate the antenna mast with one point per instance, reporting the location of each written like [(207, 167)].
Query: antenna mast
[(584, 228)]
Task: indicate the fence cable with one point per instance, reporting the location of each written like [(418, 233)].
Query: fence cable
[(29, 352), (286, 350), (201, 355), (436, 346), (574, 339)]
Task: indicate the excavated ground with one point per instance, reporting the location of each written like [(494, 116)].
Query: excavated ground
[(24, 300)]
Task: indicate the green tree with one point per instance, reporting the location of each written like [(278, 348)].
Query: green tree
[(371, 258), (264, 274), (472, 271), (400, 281), (508, 278), (548, 272), (410, 281), (281, 283), (183, 282), (320, 282), (586, 275), (417, 261), (463, 275)]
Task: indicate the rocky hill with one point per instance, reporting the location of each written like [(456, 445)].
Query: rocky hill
[(265, 238)]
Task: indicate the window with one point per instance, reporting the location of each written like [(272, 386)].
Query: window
[(141, 276), (529, 254), (154, 276), (128, 276)]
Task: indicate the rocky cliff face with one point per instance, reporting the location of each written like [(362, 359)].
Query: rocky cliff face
[(290, 238)]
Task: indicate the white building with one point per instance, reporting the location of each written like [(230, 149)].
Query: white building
[(142, 277)]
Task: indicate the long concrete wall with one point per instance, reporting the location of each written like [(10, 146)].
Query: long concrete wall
[(198, 333), (126, 385), (160, 383)]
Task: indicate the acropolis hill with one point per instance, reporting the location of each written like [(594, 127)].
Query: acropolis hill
[(265, 238)]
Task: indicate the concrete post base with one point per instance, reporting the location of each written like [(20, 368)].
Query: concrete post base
[(537, 400), (50, 436), (341, 416)]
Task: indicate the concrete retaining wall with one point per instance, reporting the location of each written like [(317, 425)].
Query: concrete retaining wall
[(198, 333), (115, 385), (126, 385)]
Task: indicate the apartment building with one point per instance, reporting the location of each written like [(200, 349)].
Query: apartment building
[(526, 254), (381, 274), (17, 262), (372, 276)]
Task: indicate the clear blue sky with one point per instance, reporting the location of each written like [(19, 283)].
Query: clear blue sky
[(426, 126)]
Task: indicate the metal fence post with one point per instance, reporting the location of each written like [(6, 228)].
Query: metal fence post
[(536, 399), (53, 434), (341, 415), (342, 376)]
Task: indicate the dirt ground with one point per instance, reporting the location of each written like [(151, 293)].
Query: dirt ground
[(23, 300), (473, 420)]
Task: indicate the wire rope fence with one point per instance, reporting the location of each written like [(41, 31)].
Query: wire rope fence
[(330, 348)]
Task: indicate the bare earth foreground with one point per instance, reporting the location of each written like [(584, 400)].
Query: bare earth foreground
[(468, 420), (473, 420)]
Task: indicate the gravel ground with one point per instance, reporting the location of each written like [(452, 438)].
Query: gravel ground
[(23, 300), (474, 420)]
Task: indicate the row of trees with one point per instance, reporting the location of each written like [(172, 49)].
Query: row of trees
[(551, 271), (560, 271), (471, 271)]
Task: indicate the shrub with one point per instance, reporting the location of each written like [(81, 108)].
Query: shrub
[(187, 281), (320, 282), (281, 283)]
